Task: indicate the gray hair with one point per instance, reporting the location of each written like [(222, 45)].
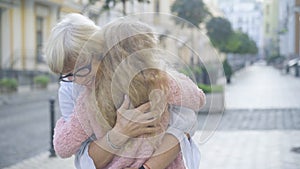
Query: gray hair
[(66, 41)]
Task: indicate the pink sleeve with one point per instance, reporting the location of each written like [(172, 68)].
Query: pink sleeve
[(69, 135), (184, 92)]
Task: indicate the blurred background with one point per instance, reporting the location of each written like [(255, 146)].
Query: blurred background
[(252, 99)]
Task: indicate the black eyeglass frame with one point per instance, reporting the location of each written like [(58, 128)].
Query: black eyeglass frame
[(76, 73), (64, 78), (87, 67)]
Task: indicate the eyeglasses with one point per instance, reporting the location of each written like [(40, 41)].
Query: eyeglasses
[(66, 78), (81, 72)]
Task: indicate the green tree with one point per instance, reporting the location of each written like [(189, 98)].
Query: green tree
[(226, 40), (222, 36), (233, 44), (246, 44), (194, 11), (219, 30)]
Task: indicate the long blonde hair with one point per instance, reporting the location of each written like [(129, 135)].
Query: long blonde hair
[(130, 66)]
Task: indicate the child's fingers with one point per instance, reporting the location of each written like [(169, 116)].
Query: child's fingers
[(126, 103), (144, 107)]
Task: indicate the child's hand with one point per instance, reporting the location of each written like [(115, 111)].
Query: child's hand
[(135, 122)]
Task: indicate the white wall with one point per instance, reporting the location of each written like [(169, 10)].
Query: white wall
[(287, 40), (165, 6)]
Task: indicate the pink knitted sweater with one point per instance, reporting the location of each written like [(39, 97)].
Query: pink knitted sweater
[(69, 136)]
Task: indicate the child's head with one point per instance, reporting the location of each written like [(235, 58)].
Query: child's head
[(130, 66), (66, 41)]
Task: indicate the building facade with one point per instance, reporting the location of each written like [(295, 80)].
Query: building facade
[(295, 27), (271, 27), (281, 28), (25, 27), (286, 28), (26, 24)]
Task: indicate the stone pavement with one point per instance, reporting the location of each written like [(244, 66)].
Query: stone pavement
[(252, 139), (262, 87), (43, 161), (256, 119), (245, 139), (26, 95), (250, 149), (225, 150)]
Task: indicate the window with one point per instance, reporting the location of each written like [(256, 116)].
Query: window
[(267, 28), (240, 21), (39, 39), (157, 7), (267, 9)]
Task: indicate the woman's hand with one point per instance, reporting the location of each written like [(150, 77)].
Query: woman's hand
[(135, 122)]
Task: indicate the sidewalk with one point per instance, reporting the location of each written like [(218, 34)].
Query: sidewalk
[(262, 87), (26, 95), (43, 161), (225, 150), (269, 149), (245, 139)]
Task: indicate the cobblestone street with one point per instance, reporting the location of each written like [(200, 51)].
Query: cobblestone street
[(247, 139), (257, 119)]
